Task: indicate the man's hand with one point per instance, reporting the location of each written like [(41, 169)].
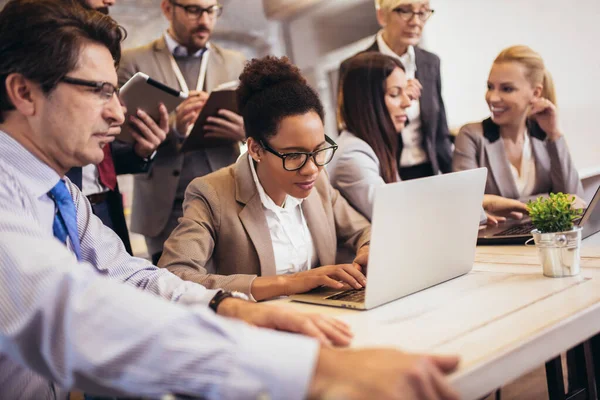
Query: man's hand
[(498, 208), (228, 125), (329, 331), (187, 112), (382, 374), (148, 134)]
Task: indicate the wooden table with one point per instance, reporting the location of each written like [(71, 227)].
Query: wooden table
[(504, 318)]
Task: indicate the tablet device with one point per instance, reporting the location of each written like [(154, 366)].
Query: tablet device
[(217, 100), (145, 93)]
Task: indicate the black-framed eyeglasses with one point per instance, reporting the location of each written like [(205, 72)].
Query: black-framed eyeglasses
[(105, 89), (407, 14), (295, 161), (193, 11)]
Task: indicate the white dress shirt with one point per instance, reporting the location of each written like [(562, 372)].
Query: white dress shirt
[(525, 182), (413, 152), (90, 180), (293, 246), (100, 324)]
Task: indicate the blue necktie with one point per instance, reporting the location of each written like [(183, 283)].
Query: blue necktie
[(65, 219)]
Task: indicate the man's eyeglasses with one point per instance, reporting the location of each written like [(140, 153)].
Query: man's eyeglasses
[(295, 161), (197, 11), (407, 14), (104, 89)]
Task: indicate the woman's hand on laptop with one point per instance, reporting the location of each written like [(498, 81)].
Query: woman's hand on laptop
[(498, 208), (339, 277), (362, 259), (333, 276)]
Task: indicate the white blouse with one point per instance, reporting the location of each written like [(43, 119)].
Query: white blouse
[(293, 246), (526, 181)]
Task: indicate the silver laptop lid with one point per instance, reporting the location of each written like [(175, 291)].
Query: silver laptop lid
[(424, 232), (591, 218)]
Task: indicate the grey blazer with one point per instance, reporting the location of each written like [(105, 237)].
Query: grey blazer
[(478, 145), (154, 191), (355, 172)]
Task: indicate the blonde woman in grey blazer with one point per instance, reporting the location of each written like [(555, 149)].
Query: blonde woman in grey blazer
[(524, 151)]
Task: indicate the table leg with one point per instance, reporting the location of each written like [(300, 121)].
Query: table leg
[(554, 377)]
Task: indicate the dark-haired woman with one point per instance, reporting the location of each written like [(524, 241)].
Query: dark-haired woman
[(373, 110), (263, 225)]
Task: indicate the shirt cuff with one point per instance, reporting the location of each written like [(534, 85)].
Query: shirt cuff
[(197, 297), (250, 290), (282, 368)]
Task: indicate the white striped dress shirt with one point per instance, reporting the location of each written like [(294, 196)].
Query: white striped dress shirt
[(67, 324)]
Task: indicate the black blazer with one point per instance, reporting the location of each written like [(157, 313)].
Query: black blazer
[(434, 126), (126, 162)]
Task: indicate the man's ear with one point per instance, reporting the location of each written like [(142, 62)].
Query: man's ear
[(167, 9), (21, 93)]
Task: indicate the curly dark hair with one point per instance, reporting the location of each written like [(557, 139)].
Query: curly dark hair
[(271, 89), (47, 47)]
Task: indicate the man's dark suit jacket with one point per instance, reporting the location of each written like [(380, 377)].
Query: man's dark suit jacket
[(434, 126), (126, 162)]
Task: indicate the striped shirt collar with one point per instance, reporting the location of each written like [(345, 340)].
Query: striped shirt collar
[(33, 173)]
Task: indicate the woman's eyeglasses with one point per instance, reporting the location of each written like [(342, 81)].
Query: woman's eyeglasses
[(295, 161), (407, 14)]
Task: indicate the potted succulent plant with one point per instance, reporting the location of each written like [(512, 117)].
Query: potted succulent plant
[(557, 239)]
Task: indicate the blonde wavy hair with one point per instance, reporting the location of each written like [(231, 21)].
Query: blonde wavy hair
[(534, 65)]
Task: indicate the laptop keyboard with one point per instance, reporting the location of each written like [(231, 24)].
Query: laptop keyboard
[(517, 230), (525, 228), (353, 295)]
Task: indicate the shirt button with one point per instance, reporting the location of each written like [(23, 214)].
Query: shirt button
[(176, 172)]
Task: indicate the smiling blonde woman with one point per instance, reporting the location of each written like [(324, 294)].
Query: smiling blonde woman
[(521, 144)]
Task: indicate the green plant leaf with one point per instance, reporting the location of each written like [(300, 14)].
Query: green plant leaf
[(554, 213)]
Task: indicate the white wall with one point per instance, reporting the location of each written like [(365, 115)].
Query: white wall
[(468, 34)]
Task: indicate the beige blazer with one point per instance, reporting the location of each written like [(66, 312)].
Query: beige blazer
[(154, 192), (478, 145), (223, 239)]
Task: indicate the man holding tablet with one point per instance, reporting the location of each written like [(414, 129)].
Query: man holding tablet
[(185, 59), (99, 182)]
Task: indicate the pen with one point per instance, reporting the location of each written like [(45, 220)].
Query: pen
[(176, 93)]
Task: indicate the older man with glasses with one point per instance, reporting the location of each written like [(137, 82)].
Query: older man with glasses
[(183, 58), (425, 146)]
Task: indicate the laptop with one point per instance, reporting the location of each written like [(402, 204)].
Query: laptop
[(423, 233), (519, 231)]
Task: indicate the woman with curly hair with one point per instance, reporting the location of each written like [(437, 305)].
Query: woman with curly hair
[(263, 225)]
